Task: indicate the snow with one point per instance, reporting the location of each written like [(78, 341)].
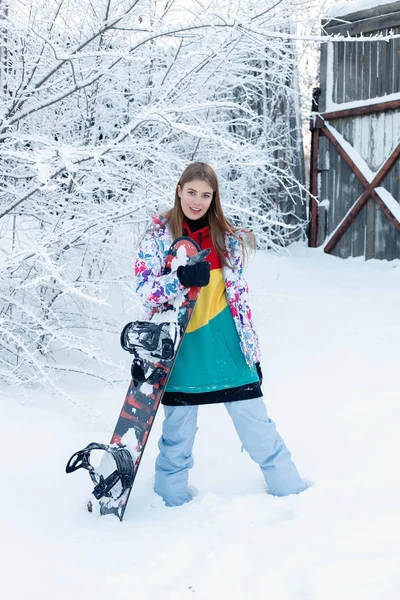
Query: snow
[(390, 201), (330, 334), (353, 154), (130, 440), (334, 106), (348, 8), (180, 259)]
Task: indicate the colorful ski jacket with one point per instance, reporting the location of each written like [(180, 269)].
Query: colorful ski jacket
[(154, 289)]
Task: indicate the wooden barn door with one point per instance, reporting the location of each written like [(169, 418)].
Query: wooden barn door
[(355, 157)]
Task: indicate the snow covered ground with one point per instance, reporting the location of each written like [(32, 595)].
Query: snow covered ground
[(330, 333)]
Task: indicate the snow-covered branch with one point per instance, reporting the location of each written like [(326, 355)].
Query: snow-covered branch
[(102, 105)]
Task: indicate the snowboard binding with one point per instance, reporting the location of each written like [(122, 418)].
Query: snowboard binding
[(156, 339), (149, 341), (152, 341), (105, 486)]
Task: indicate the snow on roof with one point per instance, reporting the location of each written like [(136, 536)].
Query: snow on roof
[(348, 8)]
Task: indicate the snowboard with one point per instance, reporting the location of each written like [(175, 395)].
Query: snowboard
[(155, 345)]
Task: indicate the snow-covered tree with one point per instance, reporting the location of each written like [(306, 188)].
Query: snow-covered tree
[(103, 103)]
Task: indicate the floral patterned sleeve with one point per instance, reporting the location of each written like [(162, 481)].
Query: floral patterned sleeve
[(152, 287), (237, 293)]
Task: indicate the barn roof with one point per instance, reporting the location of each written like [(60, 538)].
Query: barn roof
[(361, 16)]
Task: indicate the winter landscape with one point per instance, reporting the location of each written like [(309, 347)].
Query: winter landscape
[(102, 104), (330, 340)]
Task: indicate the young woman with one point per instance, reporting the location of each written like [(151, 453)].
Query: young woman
[(219, 359)]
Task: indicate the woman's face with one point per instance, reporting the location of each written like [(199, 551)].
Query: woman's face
[(196, 197)]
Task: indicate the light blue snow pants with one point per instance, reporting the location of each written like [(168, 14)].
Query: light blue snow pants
[(259, 438)]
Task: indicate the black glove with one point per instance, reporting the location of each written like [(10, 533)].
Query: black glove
[(259, 372), (197, 274)]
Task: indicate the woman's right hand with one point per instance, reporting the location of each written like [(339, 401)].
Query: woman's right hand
[(194, 275)]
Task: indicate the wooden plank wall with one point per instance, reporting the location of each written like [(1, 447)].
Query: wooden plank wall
[(361, 71)]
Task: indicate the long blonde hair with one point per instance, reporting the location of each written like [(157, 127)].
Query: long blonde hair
[(219, 225)]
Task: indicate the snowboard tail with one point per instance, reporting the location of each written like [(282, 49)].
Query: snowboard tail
[(154, 345)]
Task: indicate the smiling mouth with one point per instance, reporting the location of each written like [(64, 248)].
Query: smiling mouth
[(195, 209)]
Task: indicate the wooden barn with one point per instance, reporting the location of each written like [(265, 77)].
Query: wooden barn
[(355, 158)]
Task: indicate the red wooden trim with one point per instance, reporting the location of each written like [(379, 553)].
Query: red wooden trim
[(368, 192), (357, 206), (346, 223), (388, 212), (386, 167), (316, 122), (379, 177), (362, 110), (314, 187), (345, 156)]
